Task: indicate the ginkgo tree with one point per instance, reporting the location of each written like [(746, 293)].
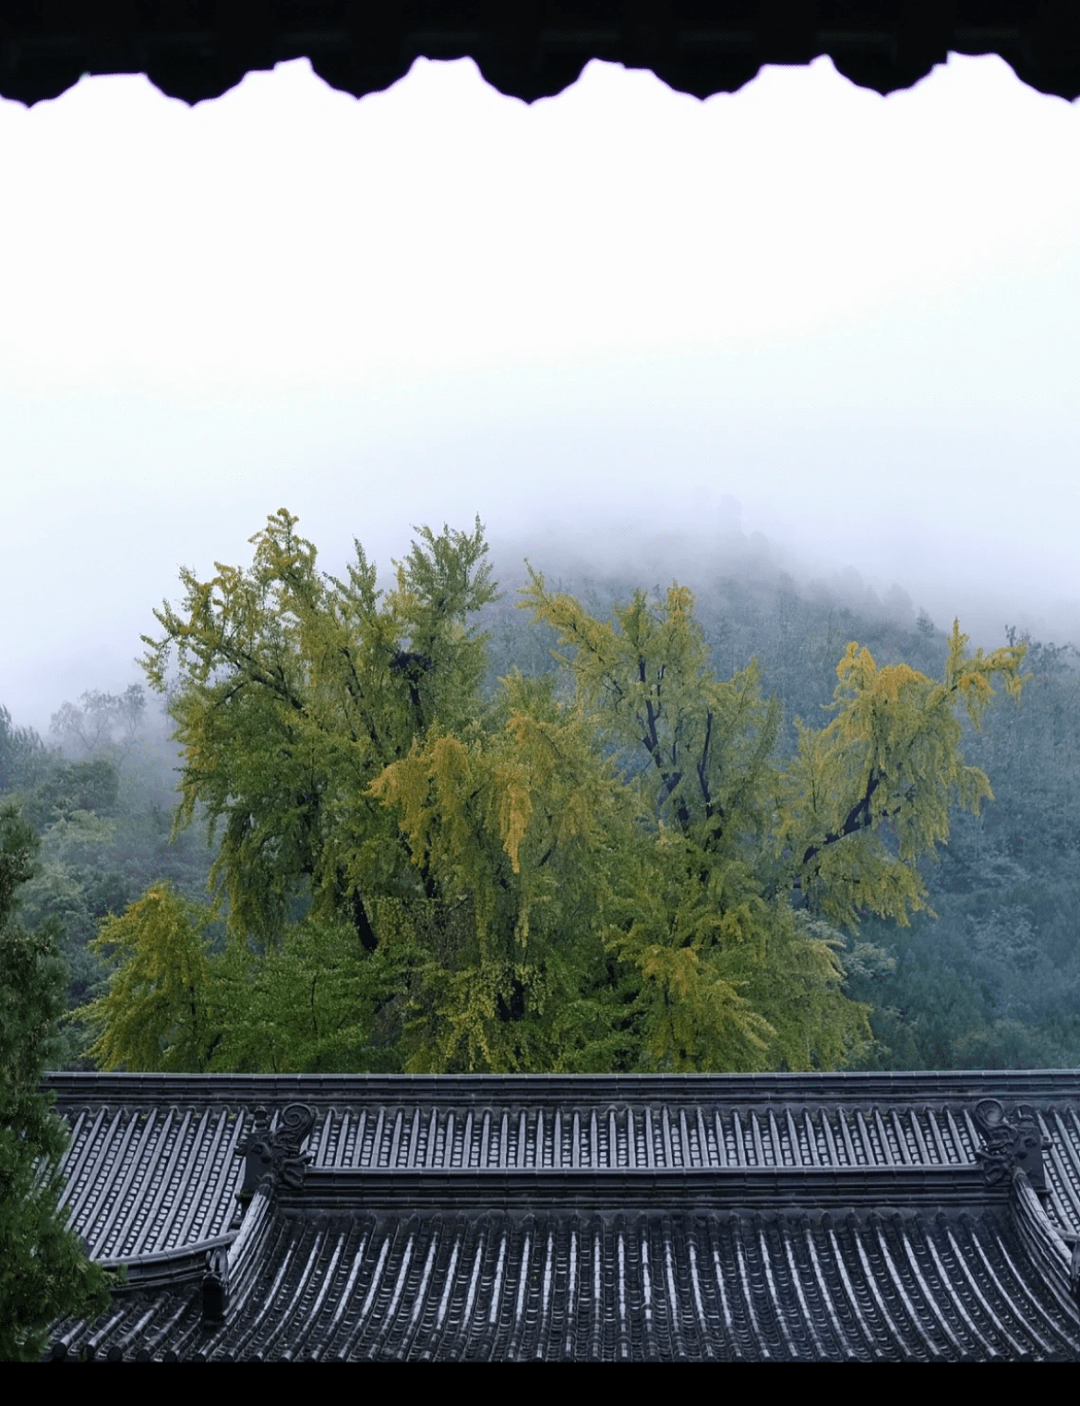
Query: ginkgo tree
[(613, 868), (871, 792), (752, 859), (525, 828), (295, 690)]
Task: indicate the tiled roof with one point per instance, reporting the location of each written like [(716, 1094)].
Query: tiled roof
[(729, 1217), (878, 1286)]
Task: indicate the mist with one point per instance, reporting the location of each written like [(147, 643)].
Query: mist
[(799, 329)]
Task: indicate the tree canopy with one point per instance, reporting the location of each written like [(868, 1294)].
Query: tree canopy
[(615, 867), (44, 1271)]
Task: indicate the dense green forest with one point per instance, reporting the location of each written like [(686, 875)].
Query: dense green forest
[(616, 829), (44, 1270)]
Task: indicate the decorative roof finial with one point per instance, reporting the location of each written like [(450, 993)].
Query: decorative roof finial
[(1011, 1145), (276, 1153)]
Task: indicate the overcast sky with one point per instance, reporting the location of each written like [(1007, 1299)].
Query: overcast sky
[(601, 314)]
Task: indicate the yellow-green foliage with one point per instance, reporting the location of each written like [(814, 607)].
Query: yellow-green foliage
[(616, 870), (297, 690), (154, 1014), (731, 976), (520, 828), (871, 793)]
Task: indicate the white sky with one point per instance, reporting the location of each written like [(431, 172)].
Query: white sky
[(596, 315)]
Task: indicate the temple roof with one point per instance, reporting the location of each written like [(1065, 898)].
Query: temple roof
[(195, 49), (867, 1217)]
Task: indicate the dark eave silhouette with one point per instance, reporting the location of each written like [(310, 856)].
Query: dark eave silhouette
[(196, 49)]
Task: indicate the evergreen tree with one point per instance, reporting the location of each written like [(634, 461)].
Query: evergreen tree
[(44, 1271), (23, 755)]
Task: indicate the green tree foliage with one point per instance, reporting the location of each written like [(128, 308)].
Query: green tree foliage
[(994, 980), (23, 755), (306, 1003), (737, 977), (44, 1271), (155, 1013), (872, 792), (309, 1003), (88, 786), (103, 814), (296, 691), (523, 829), (612, 868)]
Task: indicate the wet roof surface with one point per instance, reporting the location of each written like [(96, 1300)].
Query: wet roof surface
[(812, 1217), (576, 1287)]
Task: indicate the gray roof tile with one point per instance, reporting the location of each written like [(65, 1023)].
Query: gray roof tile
[(763, 1218)]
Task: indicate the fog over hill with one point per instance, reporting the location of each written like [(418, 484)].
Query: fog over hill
[(718, 548), (606, 559), (594, 321)]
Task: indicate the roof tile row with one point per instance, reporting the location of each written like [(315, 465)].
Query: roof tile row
[(144, 1180), (569, 1287)]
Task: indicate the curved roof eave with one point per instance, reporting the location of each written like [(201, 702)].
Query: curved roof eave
[(198, 49)]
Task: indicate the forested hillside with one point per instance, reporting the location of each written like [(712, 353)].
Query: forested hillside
[(100, 794), (994, 981), (991, 981), (677, 845)]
